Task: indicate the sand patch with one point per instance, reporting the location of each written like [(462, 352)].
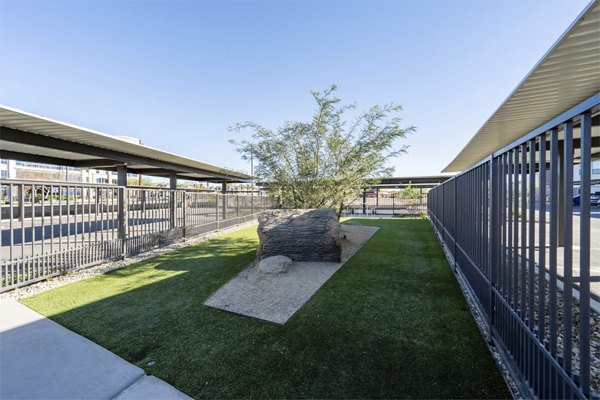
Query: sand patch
[(276, 298)]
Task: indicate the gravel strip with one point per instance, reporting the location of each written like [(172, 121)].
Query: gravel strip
[(77, 275), (575, 333), (594, 322), (481, 324)]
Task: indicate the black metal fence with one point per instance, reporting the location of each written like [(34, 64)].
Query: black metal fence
[(509, 227), (394, 204), (52, 227)]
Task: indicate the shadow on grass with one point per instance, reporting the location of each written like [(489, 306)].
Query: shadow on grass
[(391, 323)]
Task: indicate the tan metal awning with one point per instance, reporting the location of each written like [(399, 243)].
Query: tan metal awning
[(26, 136), (568, 74)]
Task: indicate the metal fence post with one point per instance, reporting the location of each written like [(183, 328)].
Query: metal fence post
[(143, 198), (553, 239), (455, 238), (183, 211), (217, 209), (122, 203), (561, 193), (567, 198), (584, 255), (21, 200), (172, 202), (441, 217), (225, 200), (492, 253)]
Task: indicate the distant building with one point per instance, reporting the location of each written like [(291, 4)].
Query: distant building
[(595, 177), (595, 170), (15, 169), (595, 187)]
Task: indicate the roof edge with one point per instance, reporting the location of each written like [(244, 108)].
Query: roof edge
[(209, 167), (588, 8)]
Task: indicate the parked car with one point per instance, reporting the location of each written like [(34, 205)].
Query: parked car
[(594, 199)]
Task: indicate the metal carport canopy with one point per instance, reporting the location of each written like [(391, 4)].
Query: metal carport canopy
[(29, 137), (567, 74), (425, 181)]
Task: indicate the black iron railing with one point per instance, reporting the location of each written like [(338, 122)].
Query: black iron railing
[(526, 253), (49, 228)]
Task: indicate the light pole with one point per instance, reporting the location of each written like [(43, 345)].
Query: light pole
[(252, 169)]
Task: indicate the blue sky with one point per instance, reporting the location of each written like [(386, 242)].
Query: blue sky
[(177, 74)]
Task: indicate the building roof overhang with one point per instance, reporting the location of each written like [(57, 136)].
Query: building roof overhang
[(567, 75)]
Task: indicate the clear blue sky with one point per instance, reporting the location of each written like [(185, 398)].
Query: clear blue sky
[(178, 74)]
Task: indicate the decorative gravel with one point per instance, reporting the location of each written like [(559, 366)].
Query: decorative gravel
[(100, 269), (575, 321), (480, 320)]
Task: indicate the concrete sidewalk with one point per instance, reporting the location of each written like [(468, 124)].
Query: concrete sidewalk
[(40, 359)]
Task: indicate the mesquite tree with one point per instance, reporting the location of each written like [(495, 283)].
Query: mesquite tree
[(327, 161)]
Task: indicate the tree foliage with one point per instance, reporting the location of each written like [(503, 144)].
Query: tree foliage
[(413, 195), (410, 193), (135, 181), (328, 160)]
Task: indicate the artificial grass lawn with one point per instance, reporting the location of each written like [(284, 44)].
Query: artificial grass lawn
[(391, 323)]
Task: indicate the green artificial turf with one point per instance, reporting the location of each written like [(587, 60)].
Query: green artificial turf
[(391, 323)]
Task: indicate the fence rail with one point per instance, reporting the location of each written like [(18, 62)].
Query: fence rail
[(52, 227), (510, 230)]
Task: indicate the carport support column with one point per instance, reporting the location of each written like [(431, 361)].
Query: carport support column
[(143, 200), (172, 202), (224, 191), (122, 207), (364, 202), (21, 200)]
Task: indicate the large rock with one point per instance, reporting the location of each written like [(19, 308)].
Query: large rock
[(302, 235)]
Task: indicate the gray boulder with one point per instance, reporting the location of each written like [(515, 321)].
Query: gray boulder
[(302, 235), (274, 265)]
